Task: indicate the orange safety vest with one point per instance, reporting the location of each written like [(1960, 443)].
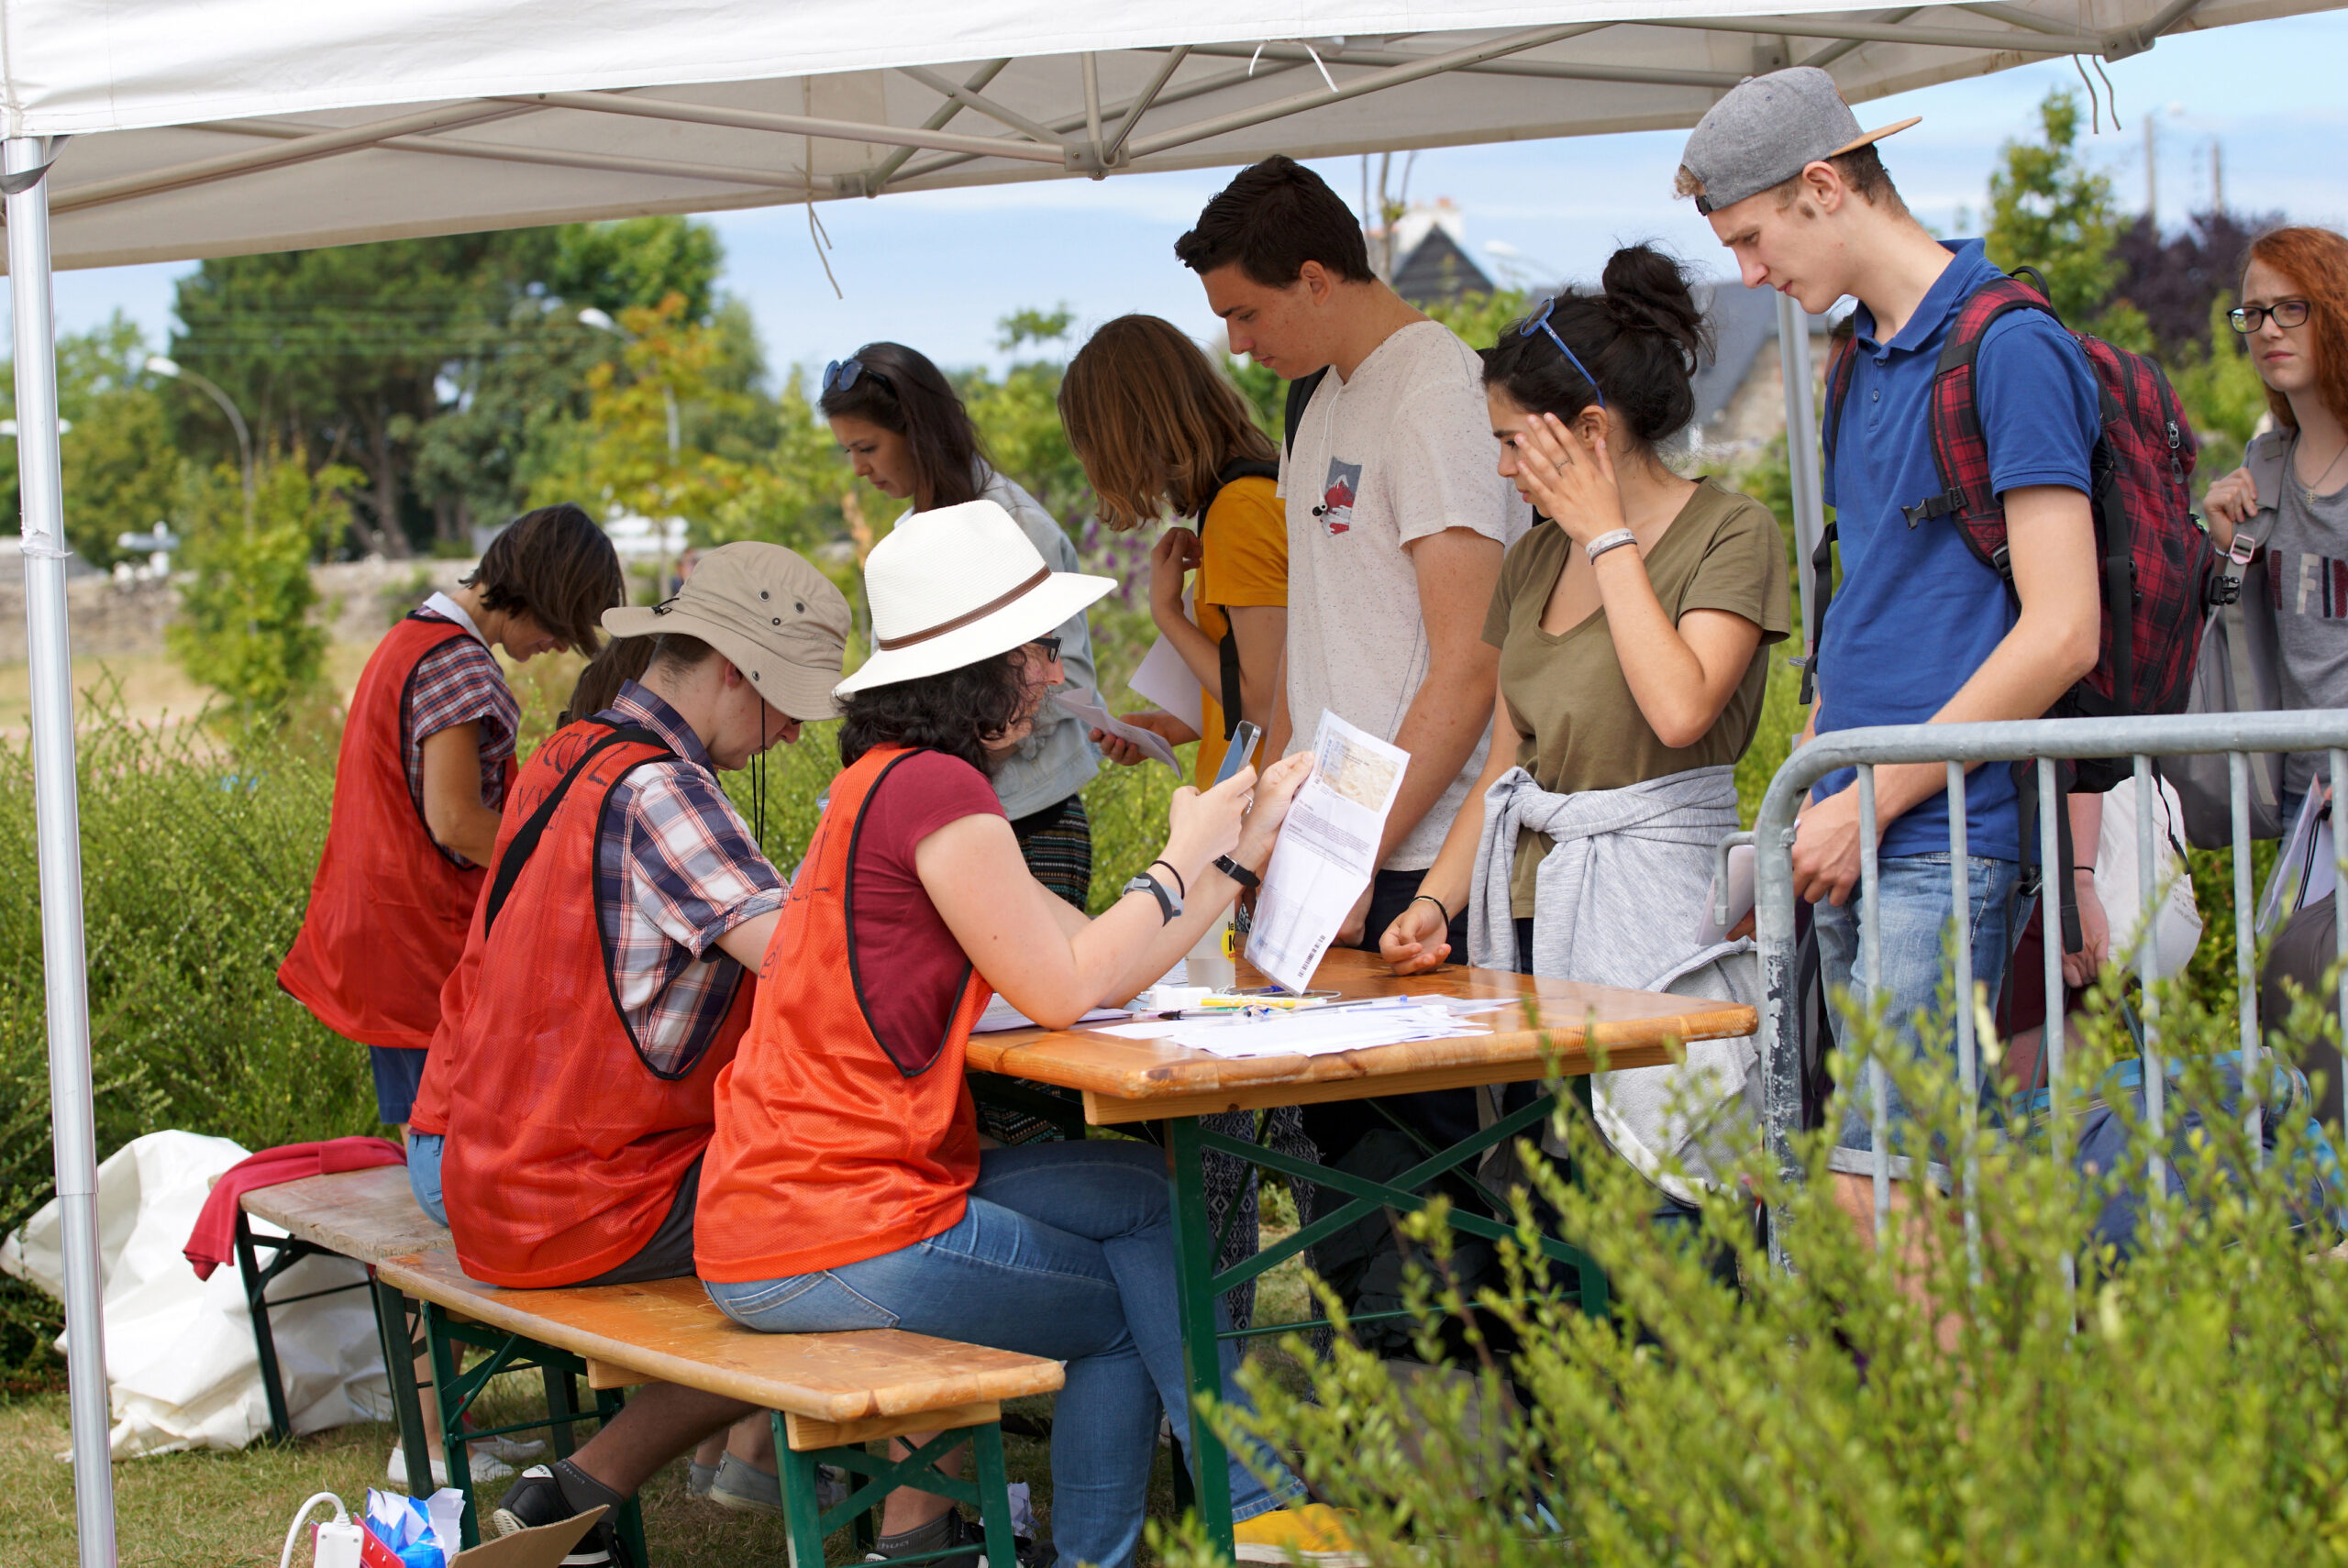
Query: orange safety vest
[(565, 1150), (827, 1150), (388, 911)]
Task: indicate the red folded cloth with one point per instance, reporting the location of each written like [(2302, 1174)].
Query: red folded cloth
[(214, 1240)]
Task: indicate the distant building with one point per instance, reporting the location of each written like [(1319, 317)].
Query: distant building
[(1438, 270), (1740, 396)]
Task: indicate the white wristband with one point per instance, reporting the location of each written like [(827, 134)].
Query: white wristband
[(1615, 541)]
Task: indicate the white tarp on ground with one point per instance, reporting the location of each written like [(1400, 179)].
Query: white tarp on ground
[(181, 1365), (239, 126)]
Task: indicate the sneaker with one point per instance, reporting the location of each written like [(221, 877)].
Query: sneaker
[(958, 1531), (698, 1477), (513, 1451), (537, 1500), (746, 1489), (485, 1467), (1313, 1533)]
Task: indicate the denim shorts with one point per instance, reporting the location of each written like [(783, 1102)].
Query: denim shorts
[(1914, 902)]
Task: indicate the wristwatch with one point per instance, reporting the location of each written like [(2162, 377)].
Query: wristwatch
[(1169, 905), (1236, 872)]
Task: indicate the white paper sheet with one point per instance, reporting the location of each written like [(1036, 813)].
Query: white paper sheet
[(1166, 681), (1001, 1015), (2306, 871), (1086, 709), (1321, 1031), (1327, 850)]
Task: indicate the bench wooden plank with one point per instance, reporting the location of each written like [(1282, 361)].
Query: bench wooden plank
[(807, 1433), (370, 1215), (669, 1331)]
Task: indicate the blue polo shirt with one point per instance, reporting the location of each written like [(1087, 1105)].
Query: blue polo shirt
[(1917, 613)]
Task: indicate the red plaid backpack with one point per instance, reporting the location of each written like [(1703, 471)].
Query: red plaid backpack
[(2157, 564)]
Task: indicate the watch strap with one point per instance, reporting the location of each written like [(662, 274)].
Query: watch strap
[(1167, 906), (1236, 872)]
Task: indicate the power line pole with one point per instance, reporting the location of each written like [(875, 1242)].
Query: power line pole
[(2152, 171), (2217, 175)]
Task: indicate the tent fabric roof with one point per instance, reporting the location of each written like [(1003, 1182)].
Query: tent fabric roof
[(241, 126)]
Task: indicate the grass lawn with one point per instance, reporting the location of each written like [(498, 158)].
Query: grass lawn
[(229, 1510)]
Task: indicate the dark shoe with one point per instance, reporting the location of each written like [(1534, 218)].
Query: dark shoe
[(949, 1529), (537, 1500)]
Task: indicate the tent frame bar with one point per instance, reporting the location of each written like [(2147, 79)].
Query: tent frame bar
[(970, 98), (558, 158), (57, 834), (796, 125), (1862, 32), (1557, 70), (1141, 105), (878, 178)]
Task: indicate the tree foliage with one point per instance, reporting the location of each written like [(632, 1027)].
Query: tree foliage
[(121, 472), (2050, 211)]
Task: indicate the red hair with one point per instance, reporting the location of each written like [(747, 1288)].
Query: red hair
[(2316, 261)]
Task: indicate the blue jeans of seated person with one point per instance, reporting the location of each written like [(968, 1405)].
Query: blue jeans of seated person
[(424, 1173), (1912, 895), (1066, 1251)]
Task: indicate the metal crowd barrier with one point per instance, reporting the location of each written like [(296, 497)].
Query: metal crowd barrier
[(2047, 740)]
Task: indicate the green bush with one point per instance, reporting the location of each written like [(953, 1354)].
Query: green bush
[(2029, 1399)]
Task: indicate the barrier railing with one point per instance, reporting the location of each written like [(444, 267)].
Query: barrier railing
[(2046, 741)]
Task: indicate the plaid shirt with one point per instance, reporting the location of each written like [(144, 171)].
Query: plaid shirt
[(675, 869), (459, 683)]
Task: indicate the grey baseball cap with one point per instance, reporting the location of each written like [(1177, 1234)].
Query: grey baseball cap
[(1767, 129)]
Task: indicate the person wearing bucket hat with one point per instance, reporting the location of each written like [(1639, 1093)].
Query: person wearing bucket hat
[(846, 1184), (1923, 630), (609, 974)]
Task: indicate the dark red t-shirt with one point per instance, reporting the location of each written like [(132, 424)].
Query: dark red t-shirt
[(900, 937)]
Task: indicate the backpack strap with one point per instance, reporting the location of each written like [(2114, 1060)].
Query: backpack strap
[(1839, 370), (525, 842), (2265, 461), (1300, 398), (1960, 453), (1227, 650)]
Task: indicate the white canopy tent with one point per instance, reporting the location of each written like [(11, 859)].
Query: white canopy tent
[(243, 126)]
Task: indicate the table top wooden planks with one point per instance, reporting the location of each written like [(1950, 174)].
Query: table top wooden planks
[(669, 1330), (368, 1215), (1553, 1030)]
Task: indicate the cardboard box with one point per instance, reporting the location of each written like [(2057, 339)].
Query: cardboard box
[(542, 1548)]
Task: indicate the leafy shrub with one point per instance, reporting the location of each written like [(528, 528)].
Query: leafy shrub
[(2032, 1398)]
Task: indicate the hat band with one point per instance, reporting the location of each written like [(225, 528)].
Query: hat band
[(891, 645)]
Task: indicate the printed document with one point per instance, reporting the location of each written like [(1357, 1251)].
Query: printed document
[(1086, 709), (1327, 850)]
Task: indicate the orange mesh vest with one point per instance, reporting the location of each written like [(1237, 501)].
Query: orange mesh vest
[(565, 1150), (388, 911), (827, 1151)]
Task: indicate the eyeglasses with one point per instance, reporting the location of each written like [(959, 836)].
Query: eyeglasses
[(842, 375), (1541, 324), (2247, 319), (1051, 647)]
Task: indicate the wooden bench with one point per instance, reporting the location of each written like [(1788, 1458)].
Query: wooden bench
[(365, 1215), (831, 1394)]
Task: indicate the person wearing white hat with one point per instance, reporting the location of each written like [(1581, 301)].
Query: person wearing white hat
[(845, 1186)]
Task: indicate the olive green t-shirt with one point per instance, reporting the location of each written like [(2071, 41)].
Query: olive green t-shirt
[(1577, 725)]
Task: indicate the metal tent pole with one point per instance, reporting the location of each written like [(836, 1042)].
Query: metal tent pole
[(1803, 457), (58, 829)]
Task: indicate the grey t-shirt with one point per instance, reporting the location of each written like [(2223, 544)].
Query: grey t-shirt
[(2307, 583)]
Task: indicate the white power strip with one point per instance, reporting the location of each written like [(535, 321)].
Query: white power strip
[(337, 1542)]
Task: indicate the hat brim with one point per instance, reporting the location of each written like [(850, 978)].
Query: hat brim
[(1875, 135), (1032, 615), (798, 690)]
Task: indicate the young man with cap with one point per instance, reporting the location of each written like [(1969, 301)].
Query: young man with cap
[(1921, 630), (608, 976), (1397, 520)]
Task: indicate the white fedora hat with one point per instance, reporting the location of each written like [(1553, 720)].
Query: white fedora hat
[(958, 585)]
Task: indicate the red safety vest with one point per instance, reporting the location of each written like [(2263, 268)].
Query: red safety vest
[(828, 1151), (388, 911), (565, 1150)]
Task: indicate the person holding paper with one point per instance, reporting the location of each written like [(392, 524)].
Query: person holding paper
[(1160, 428), (845, 1186), (906, 433), (1632, 629)]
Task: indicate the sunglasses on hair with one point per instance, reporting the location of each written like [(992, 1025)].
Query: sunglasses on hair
[(842, 375), (2247, 319), (1541, 324)]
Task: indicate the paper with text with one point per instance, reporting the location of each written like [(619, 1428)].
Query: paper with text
[(1327, 850)]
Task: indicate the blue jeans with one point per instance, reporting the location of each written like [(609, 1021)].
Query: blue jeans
[(1066, 1251), (1913, 891), (424, 1173)]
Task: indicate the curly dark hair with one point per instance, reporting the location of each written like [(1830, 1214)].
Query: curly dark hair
[(952, 713)]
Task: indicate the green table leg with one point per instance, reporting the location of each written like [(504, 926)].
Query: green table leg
[(1202, 1363), (452, 1419), (994, 1493)]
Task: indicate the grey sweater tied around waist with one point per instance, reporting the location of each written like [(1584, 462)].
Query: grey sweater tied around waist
[(1621, 900)]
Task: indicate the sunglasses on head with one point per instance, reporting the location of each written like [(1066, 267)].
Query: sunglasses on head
[(1541, 324), (842, 375)]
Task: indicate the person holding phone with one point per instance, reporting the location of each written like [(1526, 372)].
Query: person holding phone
[(1158, 428)]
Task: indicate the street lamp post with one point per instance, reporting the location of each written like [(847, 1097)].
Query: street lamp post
[(158, 364), (601, 320)]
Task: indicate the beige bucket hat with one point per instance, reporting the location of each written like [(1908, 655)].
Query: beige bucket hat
[(956, 585), (769, 610)]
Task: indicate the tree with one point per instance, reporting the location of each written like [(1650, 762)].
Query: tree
[(2049, 210), (2175, 281), (121, 472), (244, 627), (1018, 417)]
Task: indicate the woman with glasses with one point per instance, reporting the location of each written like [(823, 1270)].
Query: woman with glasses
[(2290, 497), (1632, 631), (906, 433)]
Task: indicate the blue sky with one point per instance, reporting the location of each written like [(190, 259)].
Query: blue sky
[(937, 270)]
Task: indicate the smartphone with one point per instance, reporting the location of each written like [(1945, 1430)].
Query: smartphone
[(1242, 746)]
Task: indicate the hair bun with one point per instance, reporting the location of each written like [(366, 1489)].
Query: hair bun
[(1648, 290)]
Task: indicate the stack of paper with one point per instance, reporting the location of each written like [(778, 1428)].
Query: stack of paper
[(1323, 1031), (1326, 850), (1001, 1015)]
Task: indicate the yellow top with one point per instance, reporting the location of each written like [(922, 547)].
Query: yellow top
[(1244, 563)]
